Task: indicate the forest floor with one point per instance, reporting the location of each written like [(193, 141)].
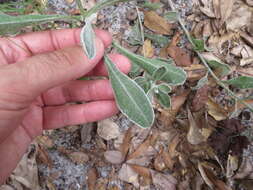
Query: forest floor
[(204, 141)]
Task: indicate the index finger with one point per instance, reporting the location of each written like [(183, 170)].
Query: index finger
[(23, 46)]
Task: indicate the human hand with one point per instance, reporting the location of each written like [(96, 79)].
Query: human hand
[(33, 91)]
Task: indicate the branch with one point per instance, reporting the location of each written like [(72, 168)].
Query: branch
[(232, 94)]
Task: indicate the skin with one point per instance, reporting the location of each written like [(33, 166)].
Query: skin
[(38, 77)]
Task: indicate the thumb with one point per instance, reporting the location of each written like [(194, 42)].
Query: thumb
[(44, 71)]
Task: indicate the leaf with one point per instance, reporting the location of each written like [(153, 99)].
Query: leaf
[(171, 16), (199, 45), (194, 135), (156, 38), (174, 76), (152, 6), (156, 23), (143, 83), (159, 73), (88, 39), (203, 81), (135, 37), (201, 97), (242, 82), (219, 68), (131, 99), (216, 111), (92, 177), (181, 57), (13, 24), (148, 50), (226, 8), (168, 116), (165, 88), (163, 99)]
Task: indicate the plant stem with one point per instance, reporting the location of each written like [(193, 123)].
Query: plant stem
[(80, 6), (100, 5), (219, 82)]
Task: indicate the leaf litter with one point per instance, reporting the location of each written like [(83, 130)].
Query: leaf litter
[(193, 144)]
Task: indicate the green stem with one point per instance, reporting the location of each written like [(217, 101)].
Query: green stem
[(232, 94), (100, 5), (80, 6)]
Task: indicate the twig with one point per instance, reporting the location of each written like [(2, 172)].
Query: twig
[(181, 22), (101, 5)]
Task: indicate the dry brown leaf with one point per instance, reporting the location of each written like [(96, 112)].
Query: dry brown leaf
[(194, 135), (173, 145), (92, 178), (167, 158), (127, 174), (43, 157), (78, 157), (211, 180), (141, 149), (195, 72), (86, 132), (162, 181), (200, 98), (159, 164), (45, 141), (246, 169), (26, 173), (156, 23), (232, 165), (107, 129), (148, 50), (247, 38), (216, 111), (207, 8), (216, 8), (216, 41), (240, 17), (114, 157), (168, 116), (142, 171), (226, 8), (207, 29), (126, 142), (180, 56)]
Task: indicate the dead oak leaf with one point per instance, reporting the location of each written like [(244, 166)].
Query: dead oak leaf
[(156, 23)]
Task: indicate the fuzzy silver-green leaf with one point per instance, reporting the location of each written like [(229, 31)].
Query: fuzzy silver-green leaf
[(242, 82), (131, 99), (88, 40), (13, 24), (174, 76)]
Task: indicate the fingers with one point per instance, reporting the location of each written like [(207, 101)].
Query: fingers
[(23, 46), (60, 116), (86, 90), (42, 72), (90, 90), (122, 63)]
